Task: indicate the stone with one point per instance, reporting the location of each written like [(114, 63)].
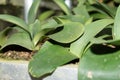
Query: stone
[(18, 70)]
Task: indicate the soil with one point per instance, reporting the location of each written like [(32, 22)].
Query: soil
[(17, 55)]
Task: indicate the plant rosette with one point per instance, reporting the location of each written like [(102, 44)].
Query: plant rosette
[(75, 40)]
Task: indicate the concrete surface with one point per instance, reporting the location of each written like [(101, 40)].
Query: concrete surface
[(18, 70)]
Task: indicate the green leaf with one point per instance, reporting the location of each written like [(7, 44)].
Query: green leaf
[(81, 14), (63, 6), (15, 20), (72, 18), (21, 39), (79, 18), (100, 40), (116, 28), (94, 9), (50, 24), (91, 30), (89, 21), (45, 15), (36, 32), (40, 30), (63, 19), (48, 58), (107, 9), (96, 66), (92, 1), (33, 11), (38, 37), (35, 27), (100, 16), (113, 42), (81, 2), (71, 31), (4, 35), (81, 10)]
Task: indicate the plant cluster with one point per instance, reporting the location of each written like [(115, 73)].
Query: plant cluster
[(79, 34)]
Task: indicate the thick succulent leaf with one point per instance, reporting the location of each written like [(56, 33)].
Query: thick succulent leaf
[(35, 27), (4, 35), (46, 15), (92, 1), (38, 37), (63, 19), (21, 39), (39, 30), (94, 9), (33, 11), (18, 29), (88, 21), (50, 24), (81, 2), (36, 31), (99, 40), (107, 9), (71, 31), (116, 28), (48, 58), (63, 6), (113, 42), (74, 18), (96, 66), (91, 30), (15, 20), (100, 16), (79, 18), (81, 10)]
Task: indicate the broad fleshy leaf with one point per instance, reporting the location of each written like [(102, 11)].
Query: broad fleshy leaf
[(35, 27), (46, 15), (100, 16), (92, 2), (91, 30), (48, 58), (79, 18), (88, 21), (81, 2), (72, 18), (4, 35), (63, 6), (71, 31), (99, 66), (38, 37), (63, 19), (15, 20), (116, 28), (36, 32), (21, 39), (33, 11), (82, 11), (39, 30), (50, 24), (107, 9), (100, 40), (94, 9), (113, 42)]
